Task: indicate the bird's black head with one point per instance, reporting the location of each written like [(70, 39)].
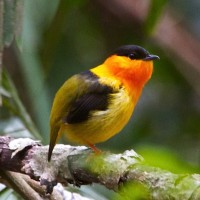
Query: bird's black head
[(134, 52)]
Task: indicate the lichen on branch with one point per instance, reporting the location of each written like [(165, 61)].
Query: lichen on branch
[(80, 166)]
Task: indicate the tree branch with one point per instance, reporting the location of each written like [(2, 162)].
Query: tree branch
[(16, 181), (80, 166)]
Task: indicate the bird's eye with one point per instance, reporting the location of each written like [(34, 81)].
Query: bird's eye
[(131, 56)]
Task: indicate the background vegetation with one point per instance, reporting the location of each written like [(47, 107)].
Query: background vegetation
[(61, 38)]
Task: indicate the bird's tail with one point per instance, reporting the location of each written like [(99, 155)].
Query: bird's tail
[(53, 139)]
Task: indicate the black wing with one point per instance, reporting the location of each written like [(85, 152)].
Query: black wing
[(96, 98)]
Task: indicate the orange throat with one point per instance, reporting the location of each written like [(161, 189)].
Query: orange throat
[(133, 74)]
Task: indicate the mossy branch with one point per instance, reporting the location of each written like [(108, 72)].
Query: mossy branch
[(80, 166)]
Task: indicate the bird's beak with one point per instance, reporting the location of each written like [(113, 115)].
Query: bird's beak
[(151, 57)]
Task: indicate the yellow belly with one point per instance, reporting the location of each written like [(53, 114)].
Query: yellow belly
[(102, 125)]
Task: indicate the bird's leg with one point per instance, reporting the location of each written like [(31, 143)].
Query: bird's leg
[(95, 149)]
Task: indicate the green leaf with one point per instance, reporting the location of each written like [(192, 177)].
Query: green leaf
[(12, 20), (1, 29), (15, 105), (156, 8)]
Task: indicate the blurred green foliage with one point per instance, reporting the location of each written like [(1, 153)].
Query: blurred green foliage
[(157, 156), (60, 38), (12, 102), (7, 193), (156, 8)]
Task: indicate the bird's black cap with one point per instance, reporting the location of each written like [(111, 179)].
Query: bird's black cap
[(134, 52)]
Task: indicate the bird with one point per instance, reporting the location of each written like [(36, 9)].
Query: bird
[(96, 104)]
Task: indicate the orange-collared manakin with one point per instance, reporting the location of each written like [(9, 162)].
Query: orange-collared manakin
[(94, 105)]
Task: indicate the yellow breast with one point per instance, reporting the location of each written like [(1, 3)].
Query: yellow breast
[(102, 125)]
